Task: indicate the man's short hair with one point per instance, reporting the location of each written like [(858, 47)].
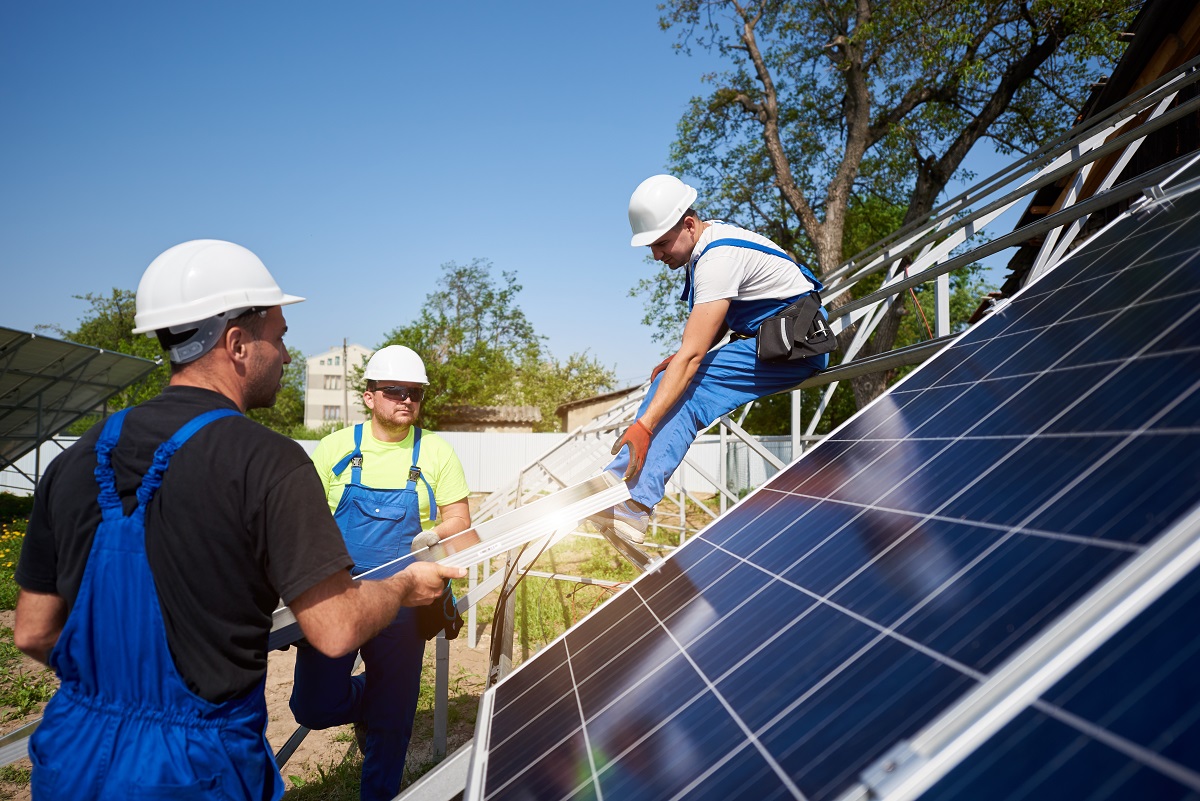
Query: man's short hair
[(252, 321)]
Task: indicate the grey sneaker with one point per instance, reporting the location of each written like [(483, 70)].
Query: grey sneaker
[(625, 520)]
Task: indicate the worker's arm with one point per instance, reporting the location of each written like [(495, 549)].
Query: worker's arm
[(340, 614), (456, 517), (703, 328), (40, 619)]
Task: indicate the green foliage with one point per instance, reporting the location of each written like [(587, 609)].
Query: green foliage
[(480, 349), (108, 324), (288, 412), (12, 536), (830, 104), (14, 507), (869, 95), (15, 774)]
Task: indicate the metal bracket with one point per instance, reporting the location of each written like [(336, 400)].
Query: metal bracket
[(881, 777)]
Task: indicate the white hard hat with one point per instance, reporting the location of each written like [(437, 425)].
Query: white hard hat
[(656, 205), (201, 285), (396, 363)]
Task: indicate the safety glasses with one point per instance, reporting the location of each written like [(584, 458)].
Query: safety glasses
[(415, 394)]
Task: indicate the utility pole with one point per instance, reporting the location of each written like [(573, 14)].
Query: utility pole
[(345, 388)]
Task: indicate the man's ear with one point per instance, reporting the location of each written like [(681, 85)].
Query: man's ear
[(369, 399), (235, 342)]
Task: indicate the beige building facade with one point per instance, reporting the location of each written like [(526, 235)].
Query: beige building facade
[(330, 395)]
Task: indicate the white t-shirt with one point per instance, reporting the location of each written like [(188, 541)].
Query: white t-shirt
[(739, 273)]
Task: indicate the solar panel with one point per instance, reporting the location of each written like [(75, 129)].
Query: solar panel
[(46, 384), (911, 563)]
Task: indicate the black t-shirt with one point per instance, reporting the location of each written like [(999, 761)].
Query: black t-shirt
[(239, 522)]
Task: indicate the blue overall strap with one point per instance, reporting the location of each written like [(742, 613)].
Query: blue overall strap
[(689, 289), (414, 473), (110, 502), (153, 478), (356, 472)]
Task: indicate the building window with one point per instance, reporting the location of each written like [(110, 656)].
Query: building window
[(337, 360), (332, 413), (333, 382)]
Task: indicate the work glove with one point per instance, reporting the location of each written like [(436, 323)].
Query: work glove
[(637, 437), (426, 539), (661, 366)]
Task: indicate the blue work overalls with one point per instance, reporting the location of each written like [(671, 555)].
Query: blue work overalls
[(123, 724), (727, 378), (379, 526)]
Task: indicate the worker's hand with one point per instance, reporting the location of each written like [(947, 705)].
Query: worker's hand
[(661, 366), (426, 539), (637, 437), (425, 581)]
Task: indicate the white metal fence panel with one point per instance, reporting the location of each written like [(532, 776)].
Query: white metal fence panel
[(491, 460)]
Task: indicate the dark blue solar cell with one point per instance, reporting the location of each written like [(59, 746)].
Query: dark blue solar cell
[(717, 599), (677, 581), (550, 776), (547, 725), (520, 682), (655, 758), (916, 568), (1036, 757), (1132, 496), (1119, 295), (792, 544), (958, 465), (650, 690), (1027, 478), (869, 482), (611, 652), (1133, 396), (1046, 347), (995, 352), (833, 560), (648, 652), (933, 371), (1024, 401), (1179, 335), (1029, 314), (852, 719), (799, 657), (717, 645), (1009, 596), (773, 513), (508, 716)]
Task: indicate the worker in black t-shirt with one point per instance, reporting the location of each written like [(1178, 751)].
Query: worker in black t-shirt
[(161, 543)]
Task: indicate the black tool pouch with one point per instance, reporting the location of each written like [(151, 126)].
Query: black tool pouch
[(797, 332), (441, 615)]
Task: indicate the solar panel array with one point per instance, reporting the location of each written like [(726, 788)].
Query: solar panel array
[(897, 568)]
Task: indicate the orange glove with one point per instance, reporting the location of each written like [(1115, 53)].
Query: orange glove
[(661, 366), (637, 437)]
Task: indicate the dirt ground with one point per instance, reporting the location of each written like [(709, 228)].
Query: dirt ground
[(320, 749)]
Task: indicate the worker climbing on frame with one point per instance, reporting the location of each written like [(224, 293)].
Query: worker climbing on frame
[(735, 281), (160, 544), (393, 487)]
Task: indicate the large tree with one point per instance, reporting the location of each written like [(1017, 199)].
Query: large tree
[(832, 103), (480, 349)]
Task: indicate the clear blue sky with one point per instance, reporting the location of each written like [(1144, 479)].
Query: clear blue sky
[(355, 147)]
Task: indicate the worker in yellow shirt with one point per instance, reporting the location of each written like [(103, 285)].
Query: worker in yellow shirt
[(393, 488)]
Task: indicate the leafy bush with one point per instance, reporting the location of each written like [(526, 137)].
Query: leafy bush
[(13, 507)]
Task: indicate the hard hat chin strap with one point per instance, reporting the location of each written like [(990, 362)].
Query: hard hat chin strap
[(205, 334)]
